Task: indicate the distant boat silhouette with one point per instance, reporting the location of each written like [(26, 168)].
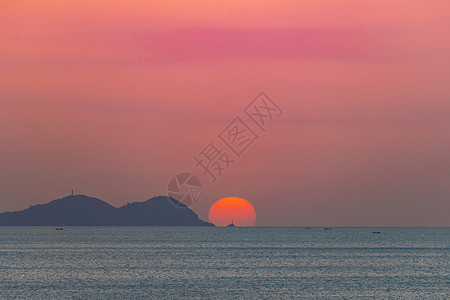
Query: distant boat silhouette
[(59, 228), (327, 228), (376, 232), (231, 225), (307, 227)]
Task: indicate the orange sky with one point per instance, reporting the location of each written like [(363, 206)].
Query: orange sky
[(112, 99)]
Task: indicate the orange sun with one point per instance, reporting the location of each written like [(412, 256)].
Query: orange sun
[(232, 209)]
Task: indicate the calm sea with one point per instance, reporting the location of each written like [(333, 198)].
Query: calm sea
[(233, 263)]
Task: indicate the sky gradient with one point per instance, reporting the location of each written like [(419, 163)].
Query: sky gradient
[(113, 99)]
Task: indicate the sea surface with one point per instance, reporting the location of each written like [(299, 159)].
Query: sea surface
[(224, 263)]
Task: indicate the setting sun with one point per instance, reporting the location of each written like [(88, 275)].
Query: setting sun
[(232, 209)]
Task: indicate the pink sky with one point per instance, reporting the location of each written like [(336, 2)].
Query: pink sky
[(113, 99)]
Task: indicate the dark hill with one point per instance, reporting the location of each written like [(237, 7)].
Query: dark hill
[(81, 210)]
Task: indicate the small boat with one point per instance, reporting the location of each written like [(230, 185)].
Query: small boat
[(231, 225), (376, 232), (307, 227), (327, 228), (59, 228)]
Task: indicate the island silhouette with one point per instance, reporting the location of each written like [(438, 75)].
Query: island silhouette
[(82, 210)]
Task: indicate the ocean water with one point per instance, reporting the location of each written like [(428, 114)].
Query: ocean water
[(224, 263)]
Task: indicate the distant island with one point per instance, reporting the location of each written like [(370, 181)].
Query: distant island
[(81, 210)]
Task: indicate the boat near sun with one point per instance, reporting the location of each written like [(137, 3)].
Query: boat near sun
[(59, 228), (231, 225), (327, 228)]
